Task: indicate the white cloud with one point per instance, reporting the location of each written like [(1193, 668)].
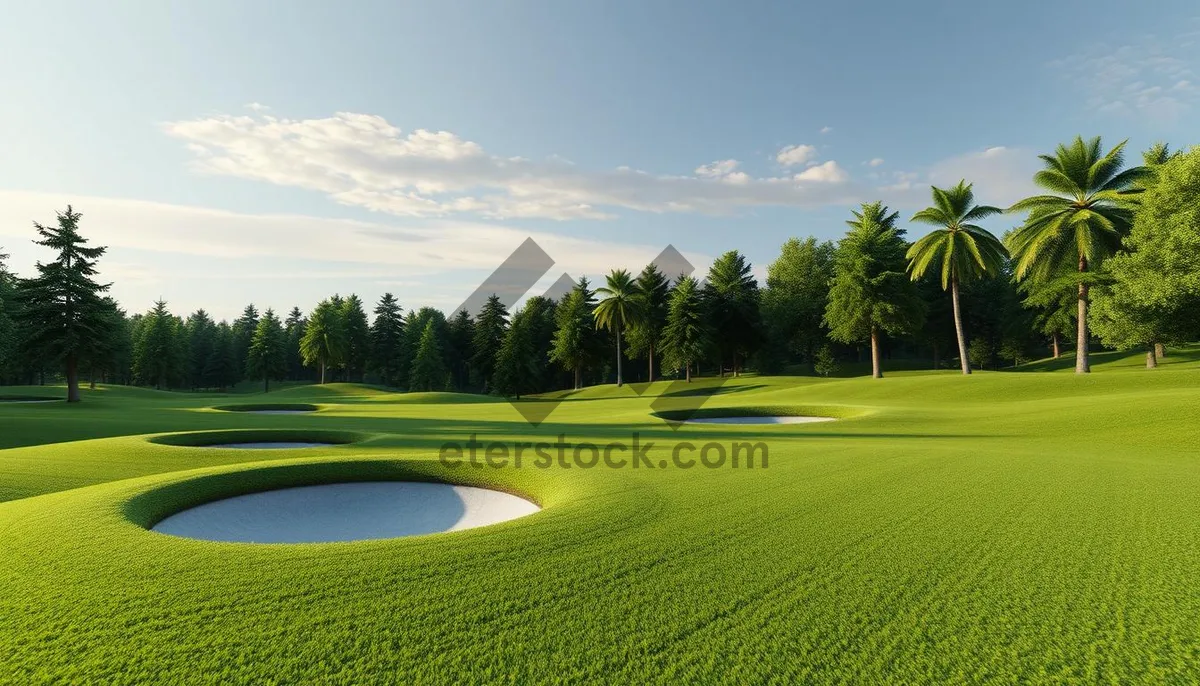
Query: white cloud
[(1150, 77), (257, 107), (874, 162), (364, 161), (829, 172), (1001, 176), (793, 155), (826, 129)]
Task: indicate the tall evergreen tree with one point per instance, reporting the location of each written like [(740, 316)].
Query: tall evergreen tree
[(652, 290), (243, 331), (8, 325), (267, 357), (538, 316), (62, 310), (387, 340), (157, 359), (358, 337), (871, 293), (731, 299), (201, 333), (324, 340), (686, 335), (517, 369), (490, 326), (220, 369), (574, 343), (293, 328), (429, 366), (460, 337)]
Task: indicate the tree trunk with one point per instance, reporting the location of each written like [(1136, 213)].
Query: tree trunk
[(1151, 358), (322, 371), (72, 379), (578, 377), (620, 378), (1054, 342), (1160, 351), (651, 378), (687, 371), (958, 328), (92, 379), (266, 384), (1082, 365), (876, 368)]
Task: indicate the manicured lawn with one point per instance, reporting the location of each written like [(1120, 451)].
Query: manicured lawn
[(1004, 527)]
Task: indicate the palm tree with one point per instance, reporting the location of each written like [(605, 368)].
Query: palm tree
[(1079, 226), (619, 307), (961, 250)]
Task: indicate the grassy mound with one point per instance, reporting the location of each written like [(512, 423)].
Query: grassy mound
[(200, 439)]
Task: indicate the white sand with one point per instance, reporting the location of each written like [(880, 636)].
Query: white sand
[(268, 445), (758, 420), (346, 512)]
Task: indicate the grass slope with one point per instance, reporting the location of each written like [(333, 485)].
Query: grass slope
[(1004, 527)]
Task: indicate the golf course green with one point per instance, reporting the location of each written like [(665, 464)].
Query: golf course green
[(1023, 526)]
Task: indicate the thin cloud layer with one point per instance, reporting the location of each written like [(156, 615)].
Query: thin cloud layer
[(362, 160)]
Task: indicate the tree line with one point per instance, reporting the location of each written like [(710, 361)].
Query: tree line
[(1107, 253)]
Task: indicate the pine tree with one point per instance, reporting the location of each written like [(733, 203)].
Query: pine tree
[(61, 308), (156, 351), (490, 326), (201, 334), (871, 293), (387, 340), (652, 290), (460, 336), (731, 302), (358, 337), (575, 342), (267, 357), (517, 368), (686, 335), (293, 328), (243, 331), (428, 368)]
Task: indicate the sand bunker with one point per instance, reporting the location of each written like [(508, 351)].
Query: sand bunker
[(758, 420), (268, 445), (346, 512)]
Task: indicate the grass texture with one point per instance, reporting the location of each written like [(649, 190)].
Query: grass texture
[(1028, 526)]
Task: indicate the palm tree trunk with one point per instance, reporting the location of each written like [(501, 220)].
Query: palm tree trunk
[(322, 371), (620, 379), (1082, 365), (1151, 358), (1054, 342), (876, 367), (958, 327)]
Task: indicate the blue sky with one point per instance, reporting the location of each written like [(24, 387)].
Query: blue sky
[(230, 152)]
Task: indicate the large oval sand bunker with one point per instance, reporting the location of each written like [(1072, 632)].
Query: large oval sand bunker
[(346, 512)]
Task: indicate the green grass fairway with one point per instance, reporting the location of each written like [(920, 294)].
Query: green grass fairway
[(1001, 528)]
